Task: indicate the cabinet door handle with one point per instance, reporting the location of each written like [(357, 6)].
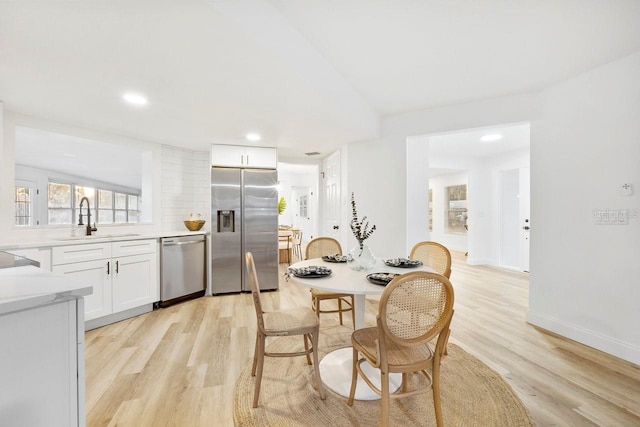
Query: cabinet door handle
[(108, 272), (117, 267)]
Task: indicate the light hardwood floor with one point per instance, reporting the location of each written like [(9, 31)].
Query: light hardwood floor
[(177, 366)]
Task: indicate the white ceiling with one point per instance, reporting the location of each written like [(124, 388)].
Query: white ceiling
[(308, 75), (68, 155), (467, 144)]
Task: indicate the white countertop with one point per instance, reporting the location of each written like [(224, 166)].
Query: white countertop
[(28, 287), (96, 238)]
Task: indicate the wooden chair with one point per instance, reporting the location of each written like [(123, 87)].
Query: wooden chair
[(296, 243), (284, 243), (434, 255), (414, 309), (297, 321), (317, 248)]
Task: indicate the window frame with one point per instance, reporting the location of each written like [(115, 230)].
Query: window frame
[(95, 209)]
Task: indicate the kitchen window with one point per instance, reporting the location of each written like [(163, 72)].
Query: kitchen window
[(112, 206), (456, 209), (59, 203), (24, 203)]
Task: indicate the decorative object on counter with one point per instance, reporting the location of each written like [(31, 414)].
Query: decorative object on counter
[(282, 205), (194, 224), (360, 258), (402, 263)]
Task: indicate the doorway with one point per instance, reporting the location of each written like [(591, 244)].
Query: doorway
[(482, 154), (298, 185)]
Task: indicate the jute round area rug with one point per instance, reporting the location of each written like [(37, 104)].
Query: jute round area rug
[(472, 394)]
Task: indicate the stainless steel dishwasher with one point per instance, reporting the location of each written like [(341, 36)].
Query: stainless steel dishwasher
[(182, 268)]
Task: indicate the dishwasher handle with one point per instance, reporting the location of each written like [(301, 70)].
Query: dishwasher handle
[(192, 242)]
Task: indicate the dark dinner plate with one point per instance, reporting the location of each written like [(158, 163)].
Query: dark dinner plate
[(381, 278), (402, 263), (311, 272), (335, 258)]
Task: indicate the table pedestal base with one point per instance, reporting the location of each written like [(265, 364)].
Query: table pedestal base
[(336, 371)]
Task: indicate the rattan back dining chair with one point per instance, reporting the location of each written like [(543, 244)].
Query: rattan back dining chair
[(434, 255), (414, 309), (318, 248), (282, 323)]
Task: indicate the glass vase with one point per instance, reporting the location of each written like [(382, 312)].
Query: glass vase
[(361, 258)]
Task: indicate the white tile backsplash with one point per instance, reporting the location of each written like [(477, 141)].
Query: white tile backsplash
[(185, 186)]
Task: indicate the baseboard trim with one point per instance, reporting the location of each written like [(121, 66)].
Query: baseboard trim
[(113, 318), (607, 344)]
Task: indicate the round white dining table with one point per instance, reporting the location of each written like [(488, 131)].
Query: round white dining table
[(336, 367)]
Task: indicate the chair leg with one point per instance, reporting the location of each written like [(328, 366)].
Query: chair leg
[(316, 306), (340, 309), (256, 392), (353, 313), (316, 368), (437, 406), (354, 378), (446, 342), (306, 347), (256, 352), (384, 402)]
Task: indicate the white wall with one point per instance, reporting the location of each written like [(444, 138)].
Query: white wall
[(440, 234), (584, 144), (585, 278), (179, 181), (377, 170), (186, 187)]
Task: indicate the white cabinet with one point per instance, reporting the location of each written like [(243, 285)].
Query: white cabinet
[(123, 274), (97, 274), (42, 366), (134, 282), (247, 157)]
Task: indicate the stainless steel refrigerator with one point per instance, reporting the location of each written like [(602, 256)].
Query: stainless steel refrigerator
[(244, 210)]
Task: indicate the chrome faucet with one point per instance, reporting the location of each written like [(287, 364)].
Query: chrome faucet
[(89, 228)]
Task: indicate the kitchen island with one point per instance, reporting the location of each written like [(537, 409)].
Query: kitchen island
[(42, 352)]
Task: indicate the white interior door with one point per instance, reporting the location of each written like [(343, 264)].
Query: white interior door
[(302, 216), (525, 205), (331, 187), (510, 219)]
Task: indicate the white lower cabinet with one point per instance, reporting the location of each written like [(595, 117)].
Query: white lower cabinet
[(134, 282), (119, 282), (42, 366), (94, 273)]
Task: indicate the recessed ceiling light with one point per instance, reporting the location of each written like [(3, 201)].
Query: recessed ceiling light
[(491, 137), (253, 137), (135, 99)]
